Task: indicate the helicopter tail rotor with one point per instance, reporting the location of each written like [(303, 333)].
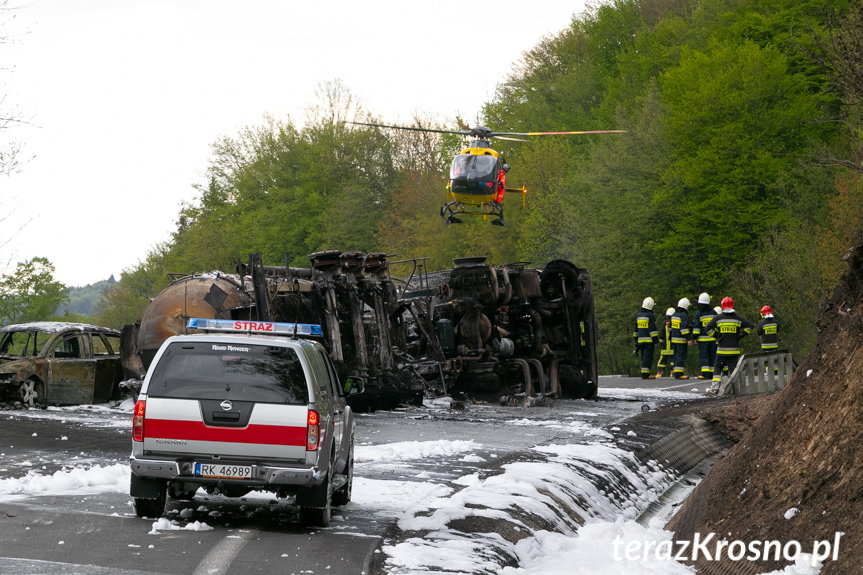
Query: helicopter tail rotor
[(523, 191)]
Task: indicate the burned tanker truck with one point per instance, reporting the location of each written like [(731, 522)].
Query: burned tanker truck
[(509, 331)]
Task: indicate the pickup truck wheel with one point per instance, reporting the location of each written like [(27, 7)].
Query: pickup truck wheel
[(152, 507), (342, 496), (320, 516), (32, 393)]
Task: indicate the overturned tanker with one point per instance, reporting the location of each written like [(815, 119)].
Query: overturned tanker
[(509, 330)]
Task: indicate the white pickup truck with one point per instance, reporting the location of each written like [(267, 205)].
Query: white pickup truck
[(256, 408)]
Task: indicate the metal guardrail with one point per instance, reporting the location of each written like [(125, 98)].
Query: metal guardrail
[(762, 372)]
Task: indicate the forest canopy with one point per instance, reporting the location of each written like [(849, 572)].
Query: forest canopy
[(739, 173)]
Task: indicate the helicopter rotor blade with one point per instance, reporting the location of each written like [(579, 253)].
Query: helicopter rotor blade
[(482, 132), (413, 128), (510, 139), (499, 134)]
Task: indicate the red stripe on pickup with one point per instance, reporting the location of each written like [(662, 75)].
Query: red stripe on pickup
[(198, 431)]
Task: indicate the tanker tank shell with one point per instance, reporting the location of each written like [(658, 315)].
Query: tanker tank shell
[(208, 296)]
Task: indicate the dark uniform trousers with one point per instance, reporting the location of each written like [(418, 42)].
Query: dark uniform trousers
[(679, 340), (728, 328)]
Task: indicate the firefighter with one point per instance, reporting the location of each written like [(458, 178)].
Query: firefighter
[(728, 328), (768, 330), (665, 352), (680, 338), (646, 336), (706, 341)]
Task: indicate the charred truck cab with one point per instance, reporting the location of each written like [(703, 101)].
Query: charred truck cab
[(257, 407), (518, 330)]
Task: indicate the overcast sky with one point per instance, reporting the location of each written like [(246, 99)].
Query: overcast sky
[(125, 98)]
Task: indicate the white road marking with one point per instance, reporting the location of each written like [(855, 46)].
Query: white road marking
[(218, 560)]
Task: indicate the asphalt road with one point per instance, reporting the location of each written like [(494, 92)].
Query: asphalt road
[(100, 534)]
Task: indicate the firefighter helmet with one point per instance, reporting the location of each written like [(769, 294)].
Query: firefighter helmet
[(766, 310), (684, 303), (669, 311), (704, 298), (648, 303), (727, 303)]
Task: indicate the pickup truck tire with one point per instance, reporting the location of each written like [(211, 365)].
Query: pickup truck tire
[(153, 508), (320, 516), (342, 496)]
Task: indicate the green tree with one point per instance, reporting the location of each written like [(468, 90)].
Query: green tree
[(276, 189), (31, 293), (721, 101), (125, 301), (119, 304), (736, 115)]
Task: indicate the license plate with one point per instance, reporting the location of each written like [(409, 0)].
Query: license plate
[(223, 471)]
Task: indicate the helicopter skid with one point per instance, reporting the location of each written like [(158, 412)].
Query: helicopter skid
[(450, 210)]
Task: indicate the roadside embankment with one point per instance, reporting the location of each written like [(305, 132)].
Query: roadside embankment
[(795, 476)]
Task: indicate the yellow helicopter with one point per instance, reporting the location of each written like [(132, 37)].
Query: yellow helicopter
[(477, 176)]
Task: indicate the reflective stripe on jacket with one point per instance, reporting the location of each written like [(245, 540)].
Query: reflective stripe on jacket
[(665, 338), (645, 327), (729, 329), (680, 326), (699, 325), (768, 329)]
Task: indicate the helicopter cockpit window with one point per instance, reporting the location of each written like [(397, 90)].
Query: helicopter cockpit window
[(474, 168)]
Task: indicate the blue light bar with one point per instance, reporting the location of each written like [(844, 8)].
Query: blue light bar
[(263, 327)]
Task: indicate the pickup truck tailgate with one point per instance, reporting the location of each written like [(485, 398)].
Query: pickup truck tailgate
[(273, 431)]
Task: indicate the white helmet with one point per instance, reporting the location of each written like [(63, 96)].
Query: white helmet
[(648, 303), (684, 303), (704, 298), (669, 311)]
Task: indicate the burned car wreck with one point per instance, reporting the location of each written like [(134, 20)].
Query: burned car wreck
[(507, 330), (59, 363)]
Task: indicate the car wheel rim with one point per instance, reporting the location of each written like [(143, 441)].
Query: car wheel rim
[(28, 393)]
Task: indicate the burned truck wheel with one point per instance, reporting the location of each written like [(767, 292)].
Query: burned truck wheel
[(561, 279)]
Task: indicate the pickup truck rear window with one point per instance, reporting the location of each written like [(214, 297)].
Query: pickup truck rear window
[(210, 370)]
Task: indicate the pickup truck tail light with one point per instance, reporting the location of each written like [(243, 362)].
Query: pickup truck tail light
[(138, 422), (313, 431)]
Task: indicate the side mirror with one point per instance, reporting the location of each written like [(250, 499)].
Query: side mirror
[(354, 384)]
